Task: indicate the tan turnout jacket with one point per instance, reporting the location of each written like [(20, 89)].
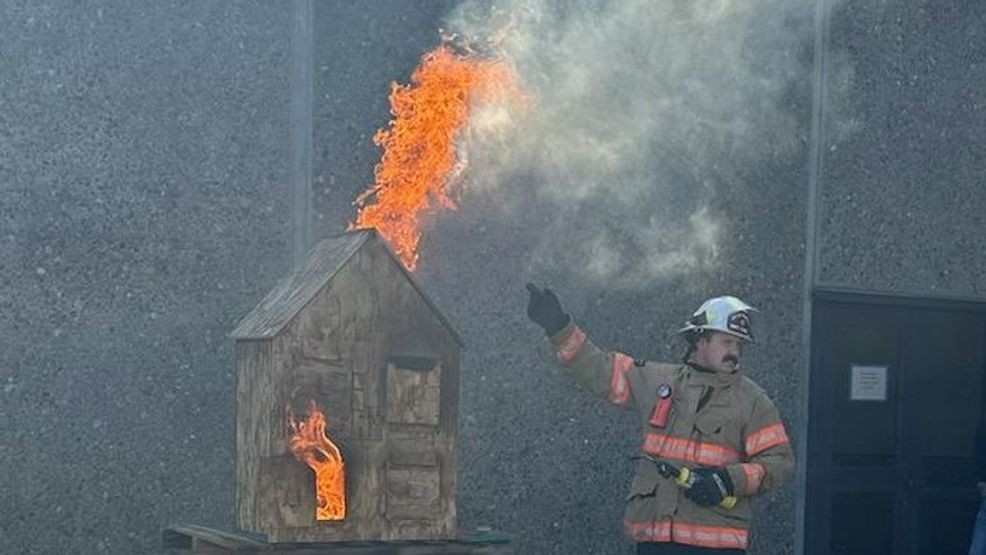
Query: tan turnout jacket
[(737, 428)]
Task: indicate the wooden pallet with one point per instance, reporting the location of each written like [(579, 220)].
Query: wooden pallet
[(199, 539)]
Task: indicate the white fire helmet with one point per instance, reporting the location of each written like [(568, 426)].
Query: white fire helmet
[(724, 314)]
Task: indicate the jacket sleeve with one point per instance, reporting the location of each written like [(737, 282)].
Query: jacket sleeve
[(605, 373), (769, 459)]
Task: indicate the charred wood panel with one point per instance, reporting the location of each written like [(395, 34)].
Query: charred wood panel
[(255, 391), (330, 386), (373, 354), (413, 396), (413, 493)]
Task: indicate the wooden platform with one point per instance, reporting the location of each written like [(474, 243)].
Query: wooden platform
[(199, 539)]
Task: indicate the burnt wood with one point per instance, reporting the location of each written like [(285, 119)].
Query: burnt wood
[(351, 330)]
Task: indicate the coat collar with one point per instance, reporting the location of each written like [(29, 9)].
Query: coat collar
[(700, 375)]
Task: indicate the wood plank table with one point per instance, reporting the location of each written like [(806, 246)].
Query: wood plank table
[(200, 539)]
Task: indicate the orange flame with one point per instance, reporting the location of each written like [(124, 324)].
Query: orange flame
[(420, 162), (311, 445)]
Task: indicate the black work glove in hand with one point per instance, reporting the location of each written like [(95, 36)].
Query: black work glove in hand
[(543, 307), (711, 486)]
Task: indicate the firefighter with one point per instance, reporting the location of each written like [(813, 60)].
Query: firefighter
[(712, 439)]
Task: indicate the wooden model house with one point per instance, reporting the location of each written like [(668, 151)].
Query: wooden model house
[(350, 333)]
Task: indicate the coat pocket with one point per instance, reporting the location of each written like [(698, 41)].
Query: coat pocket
[(645, 481), (710, 425), (741, 514), (719, 429), (652, 497)]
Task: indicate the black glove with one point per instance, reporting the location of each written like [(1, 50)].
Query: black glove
[(710, 487), (543, 307)]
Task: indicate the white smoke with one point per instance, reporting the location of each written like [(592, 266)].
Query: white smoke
[(644, 108)]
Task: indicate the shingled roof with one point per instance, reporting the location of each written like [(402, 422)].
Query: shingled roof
[(295, 291)]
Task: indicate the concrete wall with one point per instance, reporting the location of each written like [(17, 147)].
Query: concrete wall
[(359, 51), (144, 167), (143, 178), (540, 458), (901, 202)]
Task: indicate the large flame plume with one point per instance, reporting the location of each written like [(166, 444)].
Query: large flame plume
[(423, 152), (312, 446)]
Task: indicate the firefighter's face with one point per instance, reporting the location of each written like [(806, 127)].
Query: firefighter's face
[(719, 351)]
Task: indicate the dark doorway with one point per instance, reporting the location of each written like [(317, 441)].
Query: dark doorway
[(896, 393)]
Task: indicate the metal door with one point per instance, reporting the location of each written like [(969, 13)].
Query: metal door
[(896, 393)]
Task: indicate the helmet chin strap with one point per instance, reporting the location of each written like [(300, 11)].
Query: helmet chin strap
[(688, 354), (700, 367), (687, 359), (692, 337)]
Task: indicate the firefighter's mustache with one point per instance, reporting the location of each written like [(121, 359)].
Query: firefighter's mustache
[(730, 358)]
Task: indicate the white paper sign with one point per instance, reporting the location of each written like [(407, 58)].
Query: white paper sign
[(869, 383)]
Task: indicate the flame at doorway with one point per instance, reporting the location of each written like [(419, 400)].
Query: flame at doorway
[(310, 445)]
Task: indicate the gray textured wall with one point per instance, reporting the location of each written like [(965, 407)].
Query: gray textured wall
[(144, 175), (539, 458), (543, 459), (901, 206), (143, 178)]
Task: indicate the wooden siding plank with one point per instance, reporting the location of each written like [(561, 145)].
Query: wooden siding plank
[(396, 427)]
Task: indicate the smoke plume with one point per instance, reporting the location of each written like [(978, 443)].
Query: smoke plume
[(643, 108)]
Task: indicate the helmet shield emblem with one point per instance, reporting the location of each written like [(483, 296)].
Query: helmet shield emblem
[(739, 322)]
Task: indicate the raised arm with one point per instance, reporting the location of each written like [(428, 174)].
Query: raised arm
[(605, 373)]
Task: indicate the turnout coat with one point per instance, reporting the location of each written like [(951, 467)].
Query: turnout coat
[(716, 419)]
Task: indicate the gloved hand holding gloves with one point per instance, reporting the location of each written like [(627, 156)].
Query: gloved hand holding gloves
[(711, 486)]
